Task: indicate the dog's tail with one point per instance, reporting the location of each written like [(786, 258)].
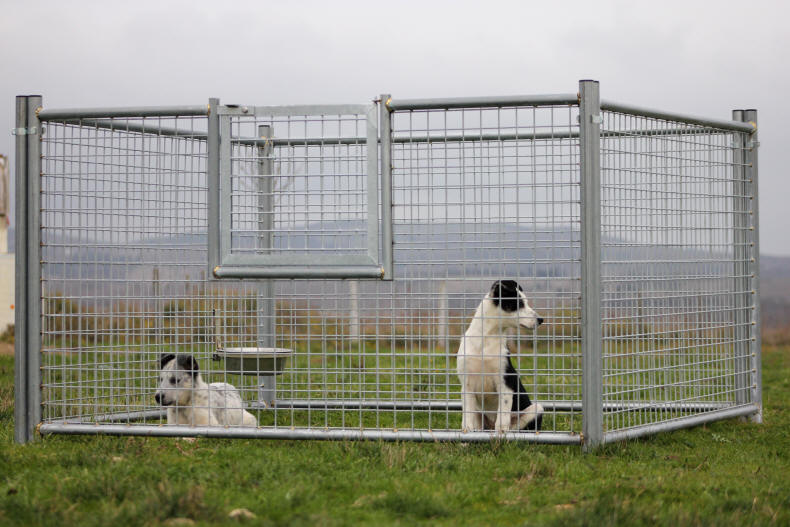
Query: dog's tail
[(531, 417)]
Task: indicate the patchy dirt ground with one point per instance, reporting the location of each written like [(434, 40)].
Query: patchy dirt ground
[(6, 348)]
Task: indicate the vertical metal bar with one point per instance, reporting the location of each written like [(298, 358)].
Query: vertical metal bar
[(592, 367), (265, 235), (739, 256), (385, 133), (21, 402), (372, 182), (750, 116), (225, 186), (265, 301), (212, 183)]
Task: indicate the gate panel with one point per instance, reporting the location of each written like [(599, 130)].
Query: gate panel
[(302, 201)]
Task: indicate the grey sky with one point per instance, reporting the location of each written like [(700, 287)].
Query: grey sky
[(703, 58)]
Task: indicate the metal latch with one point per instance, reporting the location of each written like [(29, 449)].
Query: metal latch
[(24, 131)]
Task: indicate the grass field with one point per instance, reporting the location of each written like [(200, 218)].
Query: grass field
[(726, 473)]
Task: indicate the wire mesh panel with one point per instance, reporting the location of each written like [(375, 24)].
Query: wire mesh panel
[(484, 194), (676, 247), (479, 195), (122, 228)]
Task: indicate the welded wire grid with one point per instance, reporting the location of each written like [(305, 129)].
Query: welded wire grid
[(479, 195), (303, 190), (676, 245), (124, 218), (122, 227)]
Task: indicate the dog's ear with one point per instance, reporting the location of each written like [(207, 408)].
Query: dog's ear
[(188, 363), (505, 294), (164, 358)]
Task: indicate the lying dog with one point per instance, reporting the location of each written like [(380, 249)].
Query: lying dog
[(190, 401), (493, 396)]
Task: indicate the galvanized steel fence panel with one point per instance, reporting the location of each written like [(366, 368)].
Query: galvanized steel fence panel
[(441, 198)]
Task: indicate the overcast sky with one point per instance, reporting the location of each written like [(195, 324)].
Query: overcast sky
[(702, 58)]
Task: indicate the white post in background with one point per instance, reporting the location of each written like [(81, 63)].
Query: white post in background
[(354, 330), (6, 259), (442, 329), (4, 210)]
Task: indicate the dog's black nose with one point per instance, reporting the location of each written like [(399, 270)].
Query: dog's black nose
[(540, 321), (157, 397)]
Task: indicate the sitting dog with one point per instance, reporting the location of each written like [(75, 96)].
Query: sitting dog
[(190, 401), (493, 396)]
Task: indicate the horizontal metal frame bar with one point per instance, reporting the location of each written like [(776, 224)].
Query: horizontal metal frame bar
[(421, 405), (558, 406), (78, 114), (457, 138), (226, 271), (130, 126), (385, 435), (305, 109), (130, 111), (126, 126), (121, 416), (539, 136), (682, 422), (482, 102), (640, 111), (286, 258), (314, 433)]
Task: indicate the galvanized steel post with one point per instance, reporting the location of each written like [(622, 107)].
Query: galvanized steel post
[(590, 170), (385, 132), (750, 116), (27, 365), (265, 190), (20, 363), (212, 183), (265, 301)]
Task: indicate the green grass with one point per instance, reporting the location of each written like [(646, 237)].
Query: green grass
[(726, 473)]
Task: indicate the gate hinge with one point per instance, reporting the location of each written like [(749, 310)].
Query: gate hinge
[(24, 131)]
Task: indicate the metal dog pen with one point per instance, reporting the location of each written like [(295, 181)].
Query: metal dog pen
[(361, 238)]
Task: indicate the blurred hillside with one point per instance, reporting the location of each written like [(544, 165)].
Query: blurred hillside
[(775, 296), (774, 285)]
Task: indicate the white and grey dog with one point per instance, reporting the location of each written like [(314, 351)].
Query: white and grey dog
[(190, 401), (493, 396)]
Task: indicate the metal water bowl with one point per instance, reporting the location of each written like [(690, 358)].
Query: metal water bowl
[(264, 363), (253, 360)]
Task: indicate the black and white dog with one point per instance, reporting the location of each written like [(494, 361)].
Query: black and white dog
[(190, 401), (493, 396)]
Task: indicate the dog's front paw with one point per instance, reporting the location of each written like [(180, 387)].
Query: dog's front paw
[(501, 428)]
